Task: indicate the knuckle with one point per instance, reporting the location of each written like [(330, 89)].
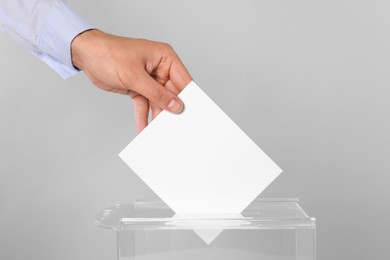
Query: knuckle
[(143, 117), (167, 48), (156, 94)]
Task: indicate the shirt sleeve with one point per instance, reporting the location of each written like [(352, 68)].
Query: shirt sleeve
[(46, 28)]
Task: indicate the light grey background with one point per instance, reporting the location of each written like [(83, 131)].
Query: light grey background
[(308, 81)]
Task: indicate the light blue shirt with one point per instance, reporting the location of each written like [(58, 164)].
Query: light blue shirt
[(46, 28)]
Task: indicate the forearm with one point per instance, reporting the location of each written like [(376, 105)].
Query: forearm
[(45, 28)]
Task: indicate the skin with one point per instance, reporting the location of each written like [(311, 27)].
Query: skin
[(151, 73)]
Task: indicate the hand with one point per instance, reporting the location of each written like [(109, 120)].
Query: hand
[(149, 72)]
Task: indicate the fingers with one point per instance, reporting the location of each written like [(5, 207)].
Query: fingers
[(157, 94), (169, 85), (155, 110), (179, 75), (141, 110)]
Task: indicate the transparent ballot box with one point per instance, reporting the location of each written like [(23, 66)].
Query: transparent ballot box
[(269, 229)]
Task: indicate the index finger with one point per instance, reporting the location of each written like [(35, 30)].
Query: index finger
[(179, 75)]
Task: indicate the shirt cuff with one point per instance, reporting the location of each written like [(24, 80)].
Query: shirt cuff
[(61, 26)]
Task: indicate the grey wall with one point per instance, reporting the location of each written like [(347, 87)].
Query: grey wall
[(307, 80)]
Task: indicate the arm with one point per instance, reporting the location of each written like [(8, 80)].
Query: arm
[(149, 72), (45, 28)]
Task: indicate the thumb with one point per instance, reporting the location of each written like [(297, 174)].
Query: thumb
[(158, 94)]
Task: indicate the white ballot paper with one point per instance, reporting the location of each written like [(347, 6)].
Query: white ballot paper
[(199, 162)]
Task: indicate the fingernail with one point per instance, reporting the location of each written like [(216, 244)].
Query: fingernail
[(174, 106)]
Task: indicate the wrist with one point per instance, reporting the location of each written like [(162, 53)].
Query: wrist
[(82, 45)]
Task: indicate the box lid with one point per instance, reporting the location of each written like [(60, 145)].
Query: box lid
[(263, 213)]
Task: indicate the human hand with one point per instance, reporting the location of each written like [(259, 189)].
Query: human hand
[(149, 72)]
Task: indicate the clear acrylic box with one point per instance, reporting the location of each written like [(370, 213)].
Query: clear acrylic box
[(269, 229)]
